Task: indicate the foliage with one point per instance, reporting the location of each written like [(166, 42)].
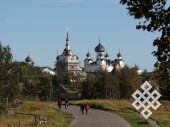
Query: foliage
[(156, 15), (121, 84), (89, 87), (164, 83), (129, 81), (63, 77), (9, 86), (35, 84), (67, 84), (20, 79), (145, 76)]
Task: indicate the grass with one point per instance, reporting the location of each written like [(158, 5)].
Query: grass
[(124, 109), (55, 118), (162, 114), (134, 119)]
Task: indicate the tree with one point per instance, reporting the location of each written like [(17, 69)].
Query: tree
[(89, 86), (156, 15), (9, 86), (34, 83), (119, 85), (113, 86), (145, 76), (128, 80)]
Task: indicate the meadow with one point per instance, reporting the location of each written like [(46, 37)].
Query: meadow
[(55, 118), (58, 118)]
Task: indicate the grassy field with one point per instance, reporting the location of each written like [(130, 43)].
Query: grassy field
[(162, 114), (55, 118), (60, 119), (126, 111)]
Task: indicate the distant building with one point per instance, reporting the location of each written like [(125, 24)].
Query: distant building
[(102, 61), (139, 71), (29, 60), (48, 70), (118, 63), (67, 61)]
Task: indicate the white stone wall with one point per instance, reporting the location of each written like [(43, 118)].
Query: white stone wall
[(95, 68), (46, 70)]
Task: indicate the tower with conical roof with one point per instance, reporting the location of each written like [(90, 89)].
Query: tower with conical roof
[(99, 49), (102, 61), (88, 60), (67, 61), (118, 63)]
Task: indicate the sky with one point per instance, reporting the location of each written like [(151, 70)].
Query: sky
[(38, 28)]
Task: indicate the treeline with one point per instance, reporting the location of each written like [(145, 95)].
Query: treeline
[(20, 80), (117, 85)]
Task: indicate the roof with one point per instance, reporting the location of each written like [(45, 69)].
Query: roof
[(88, 54), (119, 55), (48, 70), (99, 48), (46, 67), (106, 55), (28, 59)]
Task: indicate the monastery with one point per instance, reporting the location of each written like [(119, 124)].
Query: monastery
[(68, 61)]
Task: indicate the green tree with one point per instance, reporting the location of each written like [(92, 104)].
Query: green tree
[(63, 77), (34, 83), (45, 88), (100, 85), (113, 86), (119, 85), (88, 89), (156, 14), (9, 86), (128, 80), (145, 76), (163, 82)]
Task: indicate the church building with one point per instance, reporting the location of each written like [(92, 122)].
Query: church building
[(102, 61), (67, 61)]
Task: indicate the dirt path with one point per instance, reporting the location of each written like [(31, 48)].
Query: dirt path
[(95, 118)]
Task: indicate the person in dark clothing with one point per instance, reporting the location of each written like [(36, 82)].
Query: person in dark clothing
[(66, 103), (59, 104), (82, 108), (87, 107)]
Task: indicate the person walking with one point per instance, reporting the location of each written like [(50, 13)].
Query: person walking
[(59, 104), (66, 103), (82, 108), (87, 107)]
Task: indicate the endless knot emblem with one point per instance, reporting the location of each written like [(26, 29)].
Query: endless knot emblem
[(146, 99)]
